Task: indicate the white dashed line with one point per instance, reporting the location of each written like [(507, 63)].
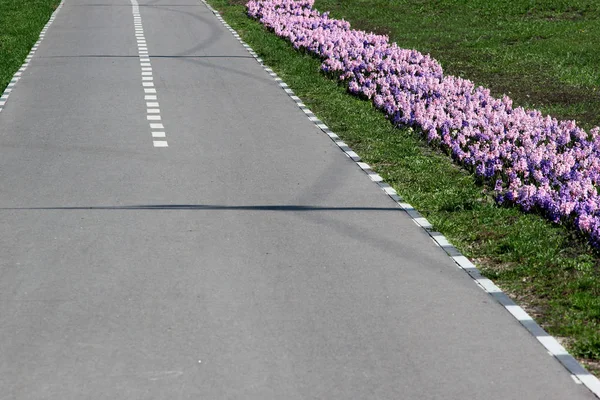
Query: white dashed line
[(152, 108)]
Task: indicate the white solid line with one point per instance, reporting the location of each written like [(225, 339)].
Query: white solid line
[(161, 143)]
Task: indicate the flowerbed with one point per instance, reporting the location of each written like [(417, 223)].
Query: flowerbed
[(532, 160)]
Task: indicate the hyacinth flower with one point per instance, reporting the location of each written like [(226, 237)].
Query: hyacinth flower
[(533, 161)]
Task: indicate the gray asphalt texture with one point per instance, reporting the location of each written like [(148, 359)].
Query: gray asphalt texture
[(251, 259)]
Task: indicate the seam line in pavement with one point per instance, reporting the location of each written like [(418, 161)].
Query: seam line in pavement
[(150, 96), (17, 76), (578, 373), (137, 56)]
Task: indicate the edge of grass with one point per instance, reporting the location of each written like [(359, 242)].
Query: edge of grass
[(20, 25), (548, 269)]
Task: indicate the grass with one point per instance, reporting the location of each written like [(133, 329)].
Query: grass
[(547, 268), (21, 22), (542, 53)]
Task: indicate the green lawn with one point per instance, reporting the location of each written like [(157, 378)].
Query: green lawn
[(20, 24), (542, 53), (546, 268)]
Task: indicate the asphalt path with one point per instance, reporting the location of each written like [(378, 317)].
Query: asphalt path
[(249, 259)]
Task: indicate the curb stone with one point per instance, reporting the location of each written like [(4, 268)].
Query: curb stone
[(578, 373), (17, 76)]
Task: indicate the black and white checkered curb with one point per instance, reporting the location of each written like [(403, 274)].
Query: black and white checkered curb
[(19, 73), (579, 374)]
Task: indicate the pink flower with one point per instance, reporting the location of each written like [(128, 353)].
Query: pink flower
[(533, 160)]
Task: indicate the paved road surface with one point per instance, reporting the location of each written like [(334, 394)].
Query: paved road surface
[(251, 243)]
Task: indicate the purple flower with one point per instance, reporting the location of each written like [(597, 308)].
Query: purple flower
[(532, 160)]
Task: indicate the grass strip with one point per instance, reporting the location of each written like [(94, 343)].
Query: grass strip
[(21, 22), (546, 268)]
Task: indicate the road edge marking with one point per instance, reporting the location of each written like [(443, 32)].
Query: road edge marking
[(578, 373), (17, 75)]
